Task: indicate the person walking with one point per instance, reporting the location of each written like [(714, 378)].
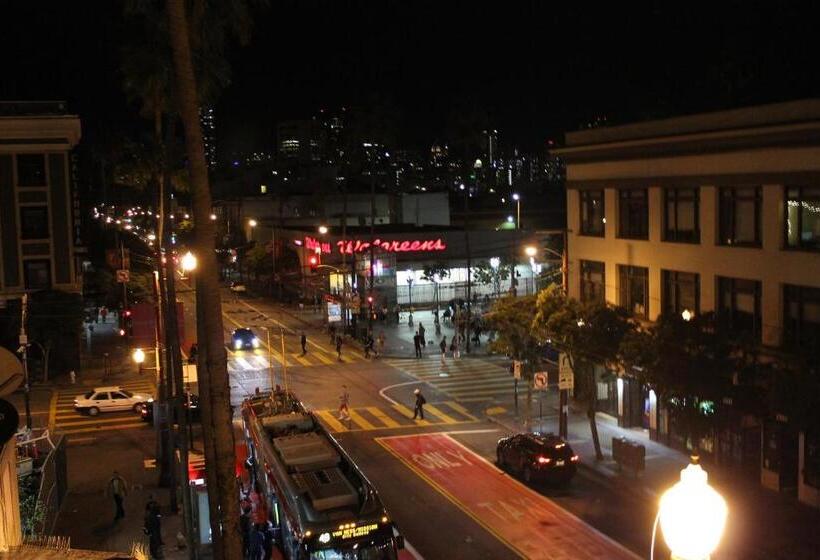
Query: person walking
[(443, 347), (256, 546), (339, 347), (344, 404), (380, 347), (153, 527), (104, 313), (417, 344), (368, 345), (118, 489), (418, 409), (303, 341), (422, 332)]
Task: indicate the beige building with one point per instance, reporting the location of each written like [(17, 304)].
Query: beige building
[(38, 237), (711, 212)]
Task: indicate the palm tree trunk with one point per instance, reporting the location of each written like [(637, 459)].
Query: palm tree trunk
[(591, 402), (223, 493)]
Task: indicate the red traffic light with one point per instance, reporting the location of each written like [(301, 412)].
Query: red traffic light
[(127, 313), (314, 261), (369, 299)]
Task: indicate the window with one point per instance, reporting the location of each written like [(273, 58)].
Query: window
[(101, 397), (38, 274), (592, 213), (739, 215), (681, 291), (593, 283), (34, 222), (681, 216), (31, 170), (803, 218), (738, 306), (633, 214), (801, 318), (117, 395), (634, 289)]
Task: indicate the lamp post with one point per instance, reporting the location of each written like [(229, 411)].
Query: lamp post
[(139, 357), (692, 516), (531, 251), (270, 359), (410, 279), (495, 262), (687, 315), (252, 224), (517, 198)]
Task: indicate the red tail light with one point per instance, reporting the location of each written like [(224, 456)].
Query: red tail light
[(543, 460)]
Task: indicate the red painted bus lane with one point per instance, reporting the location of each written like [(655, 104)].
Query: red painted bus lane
[(527, 522)]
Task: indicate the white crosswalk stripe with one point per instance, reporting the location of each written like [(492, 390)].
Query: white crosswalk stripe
[(469, 379)]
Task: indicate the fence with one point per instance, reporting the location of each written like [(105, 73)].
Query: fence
[(425, 295), (53, 486)]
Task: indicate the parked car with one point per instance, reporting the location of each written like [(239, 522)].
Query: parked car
[(191, 403), (537, 456), (238, 288), (109, 399), (244, 338)]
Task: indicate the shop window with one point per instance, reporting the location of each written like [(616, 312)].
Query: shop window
[(593, 217), (738, 306), (680, 292), (593, 281), (739, 216), (801, 318), (31, 170), (633, 214), (633, 290), (37, 274), (681, 216), (34, 222), (802, 211)]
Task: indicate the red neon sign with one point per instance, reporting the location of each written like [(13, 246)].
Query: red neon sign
[(392, 246), (317, 246)]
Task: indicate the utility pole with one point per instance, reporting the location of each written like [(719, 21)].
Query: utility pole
[(284, 359), (372, 248), (344, 259), (124, 284), (563, 394), (24, 356)]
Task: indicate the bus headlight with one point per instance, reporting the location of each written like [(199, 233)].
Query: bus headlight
[(237, 344), (255, 342), (324, 538)]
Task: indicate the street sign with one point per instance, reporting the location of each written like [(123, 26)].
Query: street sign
[(566, 377), (517, 369), (539, 380), (334, 313), (123, 276)]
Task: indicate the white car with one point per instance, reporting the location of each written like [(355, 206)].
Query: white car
[(109, 399), (238, 288)]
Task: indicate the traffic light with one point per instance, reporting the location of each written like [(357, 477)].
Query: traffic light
[(314, 262)]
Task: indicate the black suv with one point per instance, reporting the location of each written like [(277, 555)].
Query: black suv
[(537, 456)]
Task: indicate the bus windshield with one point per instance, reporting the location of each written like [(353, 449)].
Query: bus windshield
[(373, 552)]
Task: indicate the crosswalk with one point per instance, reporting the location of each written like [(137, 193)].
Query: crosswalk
[(68, 421), (466, 380), (395, 416), (246, 360)]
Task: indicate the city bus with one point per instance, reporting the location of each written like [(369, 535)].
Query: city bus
[(321, 505)]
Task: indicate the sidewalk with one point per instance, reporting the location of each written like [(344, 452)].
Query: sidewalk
[(762, 523)]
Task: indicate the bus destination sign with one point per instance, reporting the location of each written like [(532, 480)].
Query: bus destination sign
[(354, 532)]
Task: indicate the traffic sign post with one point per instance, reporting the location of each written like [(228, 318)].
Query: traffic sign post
[(566, 382), (539, 380), (123, 276)]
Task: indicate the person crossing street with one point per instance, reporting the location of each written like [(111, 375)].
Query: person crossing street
[(443, 347), (303, 341), (344, 404), (118, 489), (418, 409)]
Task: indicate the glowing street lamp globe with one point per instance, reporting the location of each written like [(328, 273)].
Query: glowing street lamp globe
[(530, 251), (692, 516), (188, 262), (138, 356)]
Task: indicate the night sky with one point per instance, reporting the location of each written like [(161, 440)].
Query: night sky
[(535, 68)]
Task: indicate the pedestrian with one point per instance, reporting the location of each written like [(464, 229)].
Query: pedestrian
[(153, 527), (104, 313), (344, 404), (270, 539), (454, 347), (256, 547), (418, 409), (368, 346), (339, 347), (72, 376), (422, 332), (303, 340), (443, 347), (332, 329), (417, 344), (118, 489), (380, 348), (192, 353)]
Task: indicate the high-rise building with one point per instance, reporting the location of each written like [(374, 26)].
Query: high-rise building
[(39, 238), (206, 119)]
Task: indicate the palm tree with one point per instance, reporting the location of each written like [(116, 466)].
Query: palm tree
[(212, 364)]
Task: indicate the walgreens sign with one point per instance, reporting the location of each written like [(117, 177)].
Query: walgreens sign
[(392, 246)]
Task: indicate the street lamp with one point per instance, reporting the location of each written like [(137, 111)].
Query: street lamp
[(687, 315), (323, 229), (692, 516), (530, 251), (252, 223), (139, 357), (188, 262), (517, 198), (411, 277)]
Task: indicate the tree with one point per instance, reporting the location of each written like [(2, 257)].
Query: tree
[(435, 273), (258, 260), (484, 273), (184, 37), (689, 365), (589, 334), (512, 319)]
